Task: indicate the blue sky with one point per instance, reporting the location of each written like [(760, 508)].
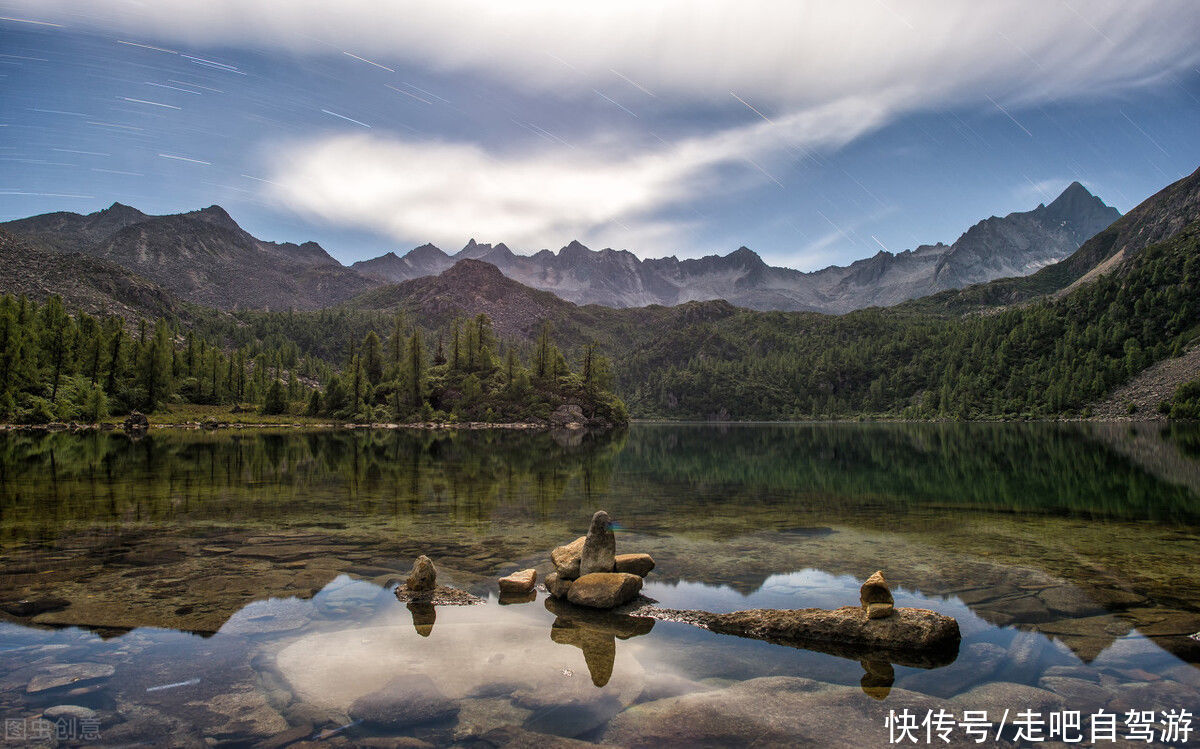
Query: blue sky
[(811, 133)]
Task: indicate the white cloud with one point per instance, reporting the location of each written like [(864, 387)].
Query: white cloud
[(824, 72), (444, 192), (785, 52)]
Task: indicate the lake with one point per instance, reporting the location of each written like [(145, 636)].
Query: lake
[(235, 588)]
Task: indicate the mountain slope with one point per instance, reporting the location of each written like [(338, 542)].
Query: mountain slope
[(95, 286), (1157, 218), (203, 256), (1017, 244)]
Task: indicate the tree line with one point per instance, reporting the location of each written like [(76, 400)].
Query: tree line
[(61, 366)]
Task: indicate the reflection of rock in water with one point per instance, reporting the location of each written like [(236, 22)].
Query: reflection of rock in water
[(878, 679), (595, 633), (599, 648), (423, 615), (568, 437)]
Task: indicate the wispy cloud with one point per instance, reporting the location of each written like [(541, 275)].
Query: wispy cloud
[(445, 192), (810, 75)]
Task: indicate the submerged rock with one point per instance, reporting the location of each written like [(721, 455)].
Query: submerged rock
[(599, 546), (769, 711), (518, 582), (63, 674), (407, 700), (634, 564), (423, 575), (604, 590), (566, 558)]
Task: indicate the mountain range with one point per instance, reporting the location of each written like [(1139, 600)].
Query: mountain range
[(204, 257), (997, 247)]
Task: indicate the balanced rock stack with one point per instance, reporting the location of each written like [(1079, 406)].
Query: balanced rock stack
[(876, 597), (589, 572)]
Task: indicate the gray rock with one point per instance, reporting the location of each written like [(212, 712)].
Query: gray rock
[(1078, 693), (69, 712), (568, 417), (407, 700), (604, 590), (599, 546), (423, 575), (62, 674), (634, 564), (566, 558)]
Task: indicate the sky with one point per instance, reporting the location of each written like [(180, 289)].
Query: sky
[(814, 133)]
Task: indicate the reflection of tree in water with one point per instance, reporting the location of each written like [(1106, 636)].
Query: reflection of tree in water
[(48, 481), (1037, 468)]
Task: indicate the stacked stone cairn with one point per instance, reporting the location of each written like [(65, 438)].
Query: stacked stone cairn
[(589, 572), (876, 597)]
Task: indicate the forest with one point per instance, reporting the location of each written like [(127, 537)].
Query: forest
[(58, 366)]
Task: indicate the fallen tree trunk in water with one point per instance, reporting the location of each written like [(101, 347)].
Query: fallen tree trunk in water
[(909, 637)]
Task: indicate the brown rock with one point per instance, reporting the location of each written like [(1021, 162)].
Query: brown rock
[(423, 575), (875, 590), (634, 564), (557, 585), (879, 610), (518, 582), (604, 590), (599, 546), (566, 558), (916, 637)]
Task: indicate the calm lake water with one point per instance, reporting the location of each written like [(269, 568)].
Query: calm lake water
[(236, 588)]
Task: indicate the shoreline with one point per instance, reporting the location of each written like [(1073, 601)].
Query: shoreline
[(530, 426), (432, 426)]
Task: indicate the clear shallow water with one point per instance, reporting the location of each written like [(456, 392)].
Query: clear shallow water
[(230, 587)]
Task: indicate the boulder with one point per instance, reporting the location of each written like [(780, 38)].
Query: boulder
[(634, 564), (407, 700), (566, 558), (599, 546), (567, 417), (604, 590), (423, 575), (557, 585), (518, 582), (136, 421), (875, 591)]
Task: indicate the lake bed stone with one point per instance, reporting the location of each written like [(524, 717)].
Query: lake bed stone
[(407, 700)]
